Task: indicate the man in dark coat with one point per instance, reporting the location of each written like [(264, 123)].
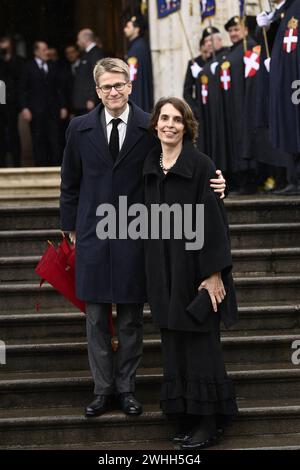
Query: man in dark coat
[(43, 105), (139, 60), (72, 57), (103, 160), (84, 97), (11, 66)]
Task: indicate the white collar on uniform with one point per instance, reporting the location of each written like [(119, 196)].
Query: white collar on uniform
[(124, 116), (90, 46)]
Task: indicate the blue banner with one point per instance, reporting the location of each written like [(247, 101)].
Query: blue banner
[(166, 7), (207, 8), (242, 7)]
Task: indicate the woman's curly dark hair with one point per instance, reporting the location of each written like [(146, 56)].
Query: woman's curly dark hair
[(189, 121)]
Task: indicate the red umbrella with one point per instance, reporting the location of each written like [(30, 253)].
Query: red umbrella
[(57, 267)]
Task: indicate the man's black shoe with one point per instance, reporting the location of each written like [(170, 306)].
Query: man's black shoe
[(100, 405), (181, 437), (129, 404)]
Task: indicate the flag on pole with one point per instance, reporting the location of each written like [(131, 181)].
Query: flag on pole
[(207, 8), (166, 7)]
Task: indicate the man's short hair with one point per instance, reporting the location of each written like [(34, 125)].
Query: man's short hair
[(36, 44), (138, 21), (112, 65), (88, 34)]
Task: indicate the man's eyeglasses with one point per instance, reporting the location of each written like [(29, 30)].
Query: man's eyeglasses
[(117, 86)]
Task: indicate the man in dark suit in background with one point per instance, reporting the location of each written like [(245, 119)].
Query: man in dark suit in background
[(72, 57), (84, 95), (43, 105), (11, 66)]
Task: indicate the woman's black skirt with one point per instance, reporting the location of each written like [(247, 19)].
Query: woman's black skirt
[(195, 381)]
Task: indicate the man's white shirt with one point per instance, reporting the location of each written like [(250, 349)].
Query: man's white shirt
[(42, 64), (90, 46), (121, 127)]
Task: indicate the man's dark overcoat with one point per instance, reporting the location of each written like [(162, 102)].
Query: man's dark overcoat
[(106, 270)]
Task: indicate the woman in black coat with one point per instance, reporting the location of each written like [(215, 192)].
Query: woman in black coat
[(190, 289)]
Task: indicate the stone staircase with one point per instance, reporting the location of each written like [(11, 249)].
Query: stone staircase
[(46, 382)]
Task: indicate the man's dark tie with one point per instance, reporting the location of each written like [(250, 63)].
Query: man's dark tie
[(114, 145)]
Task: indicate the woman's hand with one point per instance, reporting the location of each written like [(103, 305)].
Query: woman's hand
[(219, 184), (215, 287)]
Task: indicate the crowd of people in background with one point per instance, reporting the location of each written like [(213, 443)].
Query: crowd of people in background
[(233, 91), (242, 98), (49, 90)]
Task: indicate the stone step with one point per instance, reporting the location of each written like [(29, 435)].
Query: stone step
[(27, 242), (260, 443), (48, 196), (28, 211), (70, 355), (265, 261), (275, 235), (30, 217), (33, 181), (33, 242), (51, 326), (64, 389), (63, 426), (250, 262), (15, 295), (262, 209)]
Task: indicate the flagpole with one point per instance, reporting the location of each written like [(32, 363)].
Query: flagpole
[(186, 36), (244, 26), (265, 33), (212, 40)]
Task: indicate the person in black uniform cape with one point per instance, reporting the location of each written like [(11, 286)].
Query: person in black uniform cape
[(139, 60), (193, 69), (284, 113), (271, 161), (241, 170), (189, 290), (212, 135)]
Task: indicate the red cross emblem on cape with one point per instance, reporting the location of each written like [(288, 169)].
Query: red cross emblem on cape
[(133, 67), (225, 77), (204, 88), (252, 61), (290, 39)]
